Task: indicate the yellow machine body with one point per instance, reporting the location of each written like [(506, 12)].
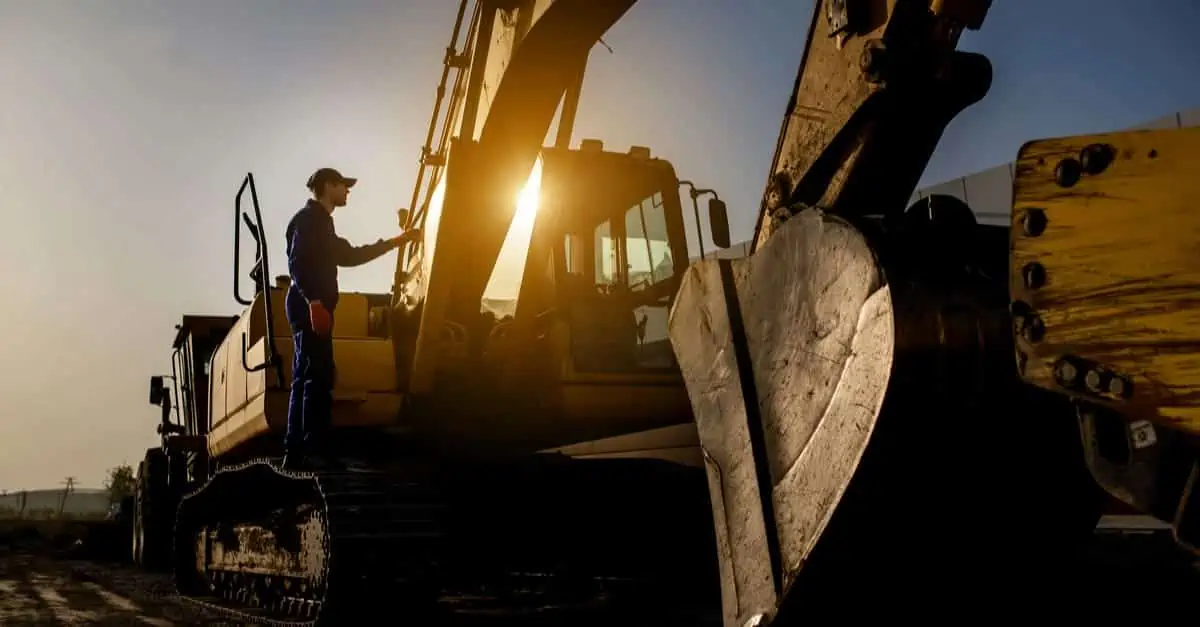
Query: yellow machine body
[(1102, 276), (1106, 262), (246, 405), (562, 363)]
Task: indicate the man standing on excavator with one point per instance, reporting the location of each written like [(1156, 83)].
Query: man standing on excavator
[(314, 253)]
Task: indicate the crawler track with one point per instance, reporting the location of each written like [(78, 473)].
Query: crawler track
[(269, 546)]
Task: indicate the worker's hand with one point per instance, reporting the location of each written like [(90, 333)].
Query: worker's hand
[(410, 235), (318, 315)]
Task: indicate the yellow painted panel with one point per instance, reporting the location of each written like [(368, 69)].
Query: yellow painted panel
[(249, 404), (1119, 271)]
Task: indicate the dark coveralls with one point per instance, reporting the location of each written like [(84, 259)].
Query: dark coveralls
[(314, 253)]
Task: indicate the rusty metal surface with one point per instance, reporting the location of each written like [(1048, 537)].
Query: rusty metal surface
[(817, 324)]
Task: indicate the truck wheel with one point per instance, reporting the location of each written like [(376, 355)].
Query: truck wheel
[(153, 512), (137, 516)]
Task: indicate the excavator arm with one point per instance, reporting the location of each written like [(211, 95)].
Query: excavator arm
[(878, 83)]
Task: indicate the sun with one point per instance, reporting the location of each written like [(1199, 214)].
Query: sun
[(505, 282)]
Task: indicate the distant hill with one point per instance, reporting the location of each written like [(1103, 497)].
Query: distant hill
[(81, 501)]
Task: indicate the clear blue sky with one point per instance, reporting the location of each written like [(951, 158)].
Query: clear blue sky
[(126, 126)]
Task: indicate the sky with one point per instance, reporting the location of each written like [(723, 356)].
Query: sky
[(127, 125)]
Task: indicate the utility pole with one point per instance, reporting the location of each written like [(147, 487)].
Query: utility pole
[(69, 482)]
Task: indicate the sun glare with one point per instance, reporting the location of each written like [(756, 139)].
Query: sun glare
[(505, 282)]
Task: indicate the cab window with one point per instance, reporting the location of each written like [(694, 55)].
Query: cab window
[(620, 304), (648, 251), (607, 258)]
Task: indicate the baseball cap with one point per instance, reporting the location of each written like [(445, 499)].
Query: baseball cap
[(329, 175)]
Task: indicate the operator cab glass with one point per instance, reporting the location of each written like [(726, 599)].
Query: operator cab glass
[(618, 259)]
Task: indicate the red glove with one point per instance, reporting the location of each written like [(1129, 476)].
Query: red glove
[(322, 322)]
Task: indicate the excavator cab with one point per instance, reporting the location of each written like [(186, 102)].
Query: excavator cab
[(575, 347), (618, 251)]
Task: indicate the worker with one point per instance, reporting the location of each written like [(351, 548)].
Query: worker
[(314, 253)]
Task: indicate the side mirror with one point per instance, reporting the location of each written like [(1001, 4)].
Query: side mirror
[(402, 217), (718, 223), (156, 390)]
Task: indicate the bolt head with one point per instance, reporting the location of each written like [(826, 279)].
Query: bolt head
[(1095, 158), (1034, 329), (1067, 172), (1120, 387), (1035, 222), (1034, 275), (1066, 372)]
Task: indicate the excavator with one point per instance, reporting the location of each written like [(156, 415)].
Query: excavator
[(853, 406), (531, 315)]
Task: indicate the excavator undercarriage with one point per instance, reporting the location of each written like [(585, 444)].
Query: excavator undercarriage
[(281, 547)]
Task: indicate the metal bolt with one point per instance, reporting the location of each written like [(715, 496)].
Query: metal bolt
[(1094, 380), (1095, 158), (1034, 274), (873, 61), (1066, 373), (838, 16), (1067, 172), (1034, 329), (1035, 222), (1119, 387)]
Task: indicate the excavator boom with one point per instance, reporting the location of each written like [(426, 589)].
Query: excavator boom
[(483, 176)]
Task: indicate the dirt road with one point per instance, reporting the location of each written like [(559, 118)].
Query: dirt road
[(39, 591)]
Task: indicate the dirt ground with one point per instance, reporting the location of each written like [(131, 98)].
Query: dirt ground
[(43, 587), (38, 590)]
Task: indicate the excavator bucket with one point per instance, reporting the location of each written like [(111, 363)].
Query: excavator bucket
[(861, 419), (786, 360)]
